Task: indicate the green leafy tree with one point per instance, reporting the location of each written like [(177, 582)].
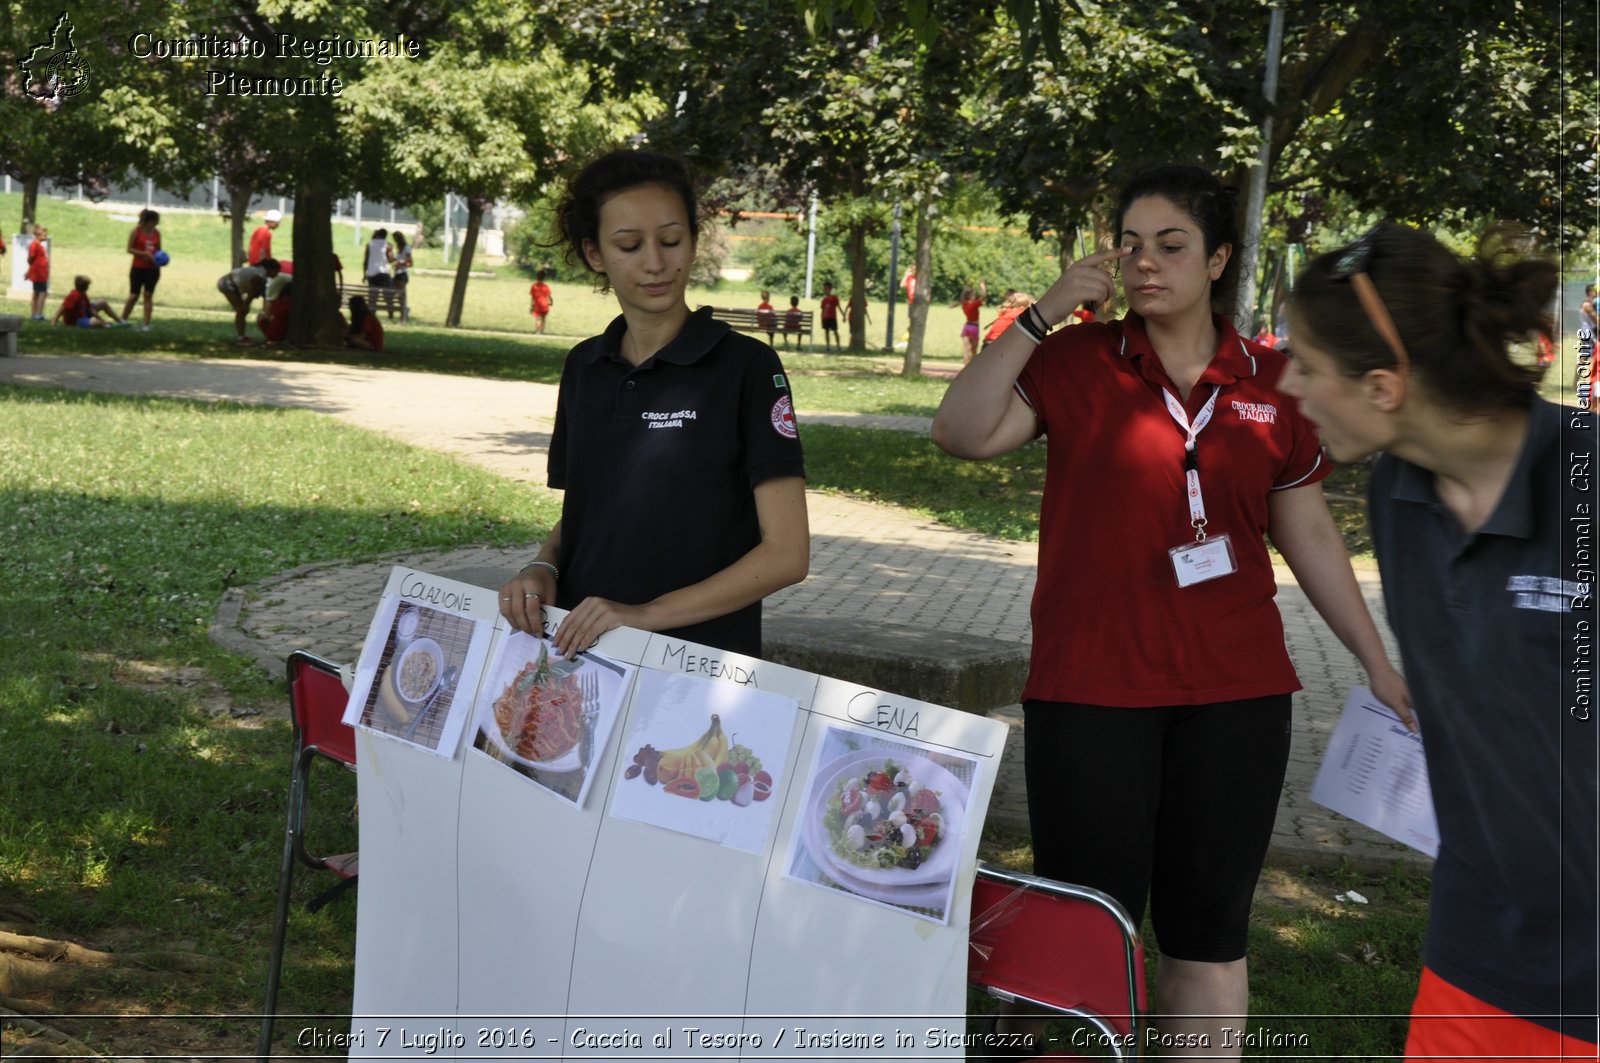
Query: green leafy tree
[(485, 126), (844, 131), (308, 144), (1479, 109), (60, 80)]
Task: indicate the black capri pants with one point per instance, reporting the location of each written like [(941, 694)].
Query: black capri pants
[(1174, 804)]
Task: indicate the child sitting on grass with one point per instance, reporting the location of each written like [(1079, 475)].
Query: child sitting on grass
[(77, 309), (365, 331)]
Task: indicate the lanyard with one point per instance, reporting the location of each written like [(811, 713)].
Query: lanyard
[(1191, 463)]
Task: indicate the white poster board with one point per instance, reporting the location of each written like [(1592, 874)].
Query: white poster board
[(495, 921)]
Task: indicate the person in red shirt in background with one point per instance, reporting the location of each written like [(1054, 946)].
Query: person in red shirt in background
[(854, 310), (77, 309), (273, 321), (766, 319), (793, 318), (1547, 351), (261, 239), (830, 317), (365, 331), (1011, 304), (971, 306), (1265, 336), (143, 243), (542, 302), (39, 269)]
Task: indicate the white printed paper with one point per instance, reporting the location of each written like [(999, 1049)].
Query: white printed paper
[(1374, 773), (716, 747)]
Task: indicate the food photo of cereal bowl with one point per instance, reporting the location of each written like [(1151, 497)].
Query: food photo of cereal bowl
[(419, 669), (413, 676)]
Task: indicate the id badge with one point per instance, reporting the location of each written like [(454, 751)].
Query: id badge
[(1197, 562)]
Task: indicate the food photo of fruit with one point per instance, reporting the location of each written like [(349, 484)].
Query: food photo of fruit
[(712, 768), (720, 746)]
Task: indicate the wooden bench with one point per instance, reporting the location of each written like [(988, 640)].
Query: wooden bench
[(10, 325), (751, 320), (379, 299)]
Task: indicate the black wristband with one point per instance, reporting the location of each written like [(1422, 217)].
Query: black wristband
[(1027, 328), (1038, 319)]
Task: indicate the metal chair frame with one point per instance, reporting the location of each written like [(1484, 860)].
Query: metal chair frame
[(317, 700), (1027, 912)]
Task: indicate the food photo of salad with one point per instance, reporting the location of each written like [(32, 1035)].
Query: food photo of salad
[(884, 821)]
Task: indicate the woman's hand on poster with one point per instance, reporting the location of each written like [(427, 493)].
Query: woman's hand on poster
[(523, 598), (592, 618), (1085, 281), (1389, 687)]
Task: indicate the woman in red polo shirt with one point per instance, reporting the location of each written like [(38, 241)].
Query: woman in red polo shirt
[(1157, 700)]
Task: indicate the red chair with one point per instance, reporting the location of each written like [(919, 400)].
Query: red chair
[(1072, 950), (317, 699)]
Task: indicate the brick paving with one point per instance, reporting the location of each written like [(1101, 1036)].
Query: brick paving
[(870, 562)]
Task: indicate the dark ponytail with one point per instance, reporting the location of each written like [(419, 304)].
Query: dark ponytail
[(1457, 320)]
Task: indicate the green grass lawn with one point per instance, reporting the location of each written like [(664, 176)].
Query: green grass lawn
[(144, 792)]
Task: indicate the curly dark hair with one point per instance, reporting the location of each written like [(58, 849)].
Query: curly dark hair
[(578, 211)]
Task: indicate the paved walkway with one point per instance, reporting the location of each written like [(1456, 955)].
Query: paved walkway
[(870, 562)]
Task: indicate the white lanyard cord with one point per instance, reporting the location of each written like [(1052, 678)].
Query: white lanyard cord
[(1191, 463)]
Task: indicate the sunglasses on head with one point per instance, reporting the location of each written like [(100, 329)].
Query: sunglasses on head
[(1352, 266)]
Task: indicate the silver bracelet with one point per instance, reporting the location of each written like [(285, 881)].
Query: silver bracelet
[(554, 571)]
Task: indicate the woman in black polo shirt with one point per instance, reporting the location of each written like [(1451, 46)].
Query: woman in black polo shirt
[(675, 439), (1482, 508)]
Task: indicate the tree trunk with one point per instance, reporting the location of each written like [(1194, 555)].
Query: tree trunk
[(314, 301), (239, 196), (918, 310), (30, 204), (858, 286), (469, 245)]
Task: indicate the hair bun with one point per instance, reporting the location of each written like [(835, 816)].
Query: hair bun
[(1506, 289)]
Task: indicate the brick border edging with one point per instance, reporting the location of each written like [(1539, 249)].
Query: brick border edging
[(224, 629)]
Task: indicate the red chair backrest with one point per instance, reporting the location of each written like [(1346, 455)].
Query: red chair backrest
[(1067, 947), (317, 698)]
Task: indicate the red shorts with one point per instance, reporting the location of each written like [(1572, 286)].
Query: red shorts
[(1450, 1025)]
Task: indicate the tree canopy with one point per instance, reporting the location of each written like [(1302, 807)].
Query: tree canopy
[(1480, 109)]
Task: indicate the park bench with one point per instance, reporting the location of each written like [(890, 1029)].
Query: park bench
[(750, 320), (10, 325), (379, 299)]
